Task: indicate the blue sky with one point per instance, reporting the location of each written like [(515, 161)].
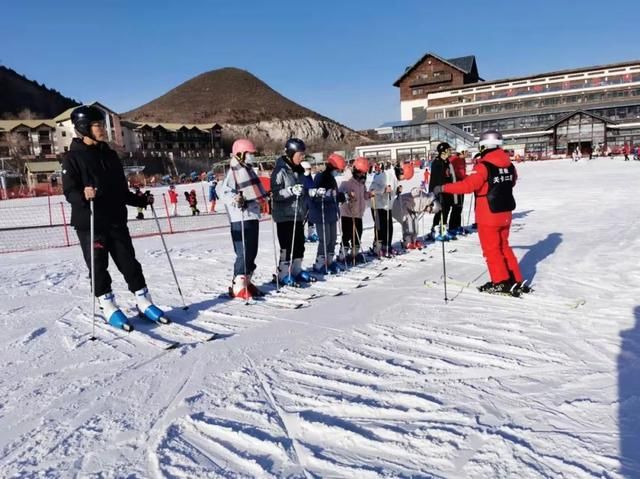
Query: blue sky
[(337, 58)]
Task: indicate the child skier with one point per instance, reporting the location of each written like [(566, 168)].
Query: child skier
[(173, 199), (384, 189), (323, 212), (408, 210), (242, 194), (192, 199), (288, 210), (213, 195), (352, 210), (307, 182)]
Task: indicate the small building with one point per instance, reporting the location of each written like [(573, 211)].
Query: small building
[(27, 138), (42, 172), (179, 139)]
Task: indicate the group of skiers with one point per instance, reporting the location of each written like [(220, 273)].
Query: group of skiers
[(95, 185)]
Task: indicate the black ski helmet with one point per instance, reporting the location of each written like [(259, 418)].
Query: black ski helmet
[(294, 145), (442, 147), (83, 116)]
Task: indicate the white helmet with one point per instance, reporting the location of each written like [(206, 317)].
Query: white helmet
[(491, 139)]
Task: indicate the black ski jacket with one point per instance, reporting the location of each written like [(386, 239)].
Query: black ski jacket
[(97, 166)]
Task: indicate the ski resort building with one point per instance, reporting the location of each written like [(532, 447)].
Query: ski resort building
[(593, 109)]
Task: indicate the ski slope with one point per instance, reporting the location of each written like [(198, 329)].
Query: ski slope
[(386, 380)]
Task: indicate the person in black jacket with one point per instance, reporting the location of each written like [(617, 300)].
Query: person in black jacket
[(91, 171), (440, 175)]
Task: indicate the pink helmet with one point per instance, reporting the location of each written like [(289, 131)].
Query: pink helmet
[(242, 146)]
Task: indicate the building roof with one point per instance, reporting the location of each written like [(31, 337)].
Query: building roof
[(65, 115), (42, 166), (464, 64), (10, 125), (541, 75), (176, 126), (573, 113)]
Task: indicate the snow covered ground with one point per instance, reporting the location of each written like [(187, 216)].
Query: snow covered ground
[(384, 381)]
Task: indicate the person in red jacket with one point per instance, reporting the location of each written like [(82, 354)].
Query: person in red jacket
[(492, 180), (173, 199), (458, 167)]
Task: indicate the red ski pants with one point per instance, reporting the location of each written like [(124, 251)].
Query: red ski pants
[(499, 256)]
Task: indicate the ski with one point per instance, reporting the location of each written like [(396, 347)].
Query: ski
[(135, 335), (182, 331), (572, 304)]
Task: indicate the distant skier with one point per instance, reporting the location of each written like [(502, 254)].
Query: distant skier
[(324, 198), (213, 196), (492, 180), (242, 194), (192, 199), (288, 196), (173, 199), (91, 171), (138, 193)]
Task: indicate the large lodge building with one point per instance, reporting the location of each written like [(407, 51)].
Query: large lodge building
[(595, 109)]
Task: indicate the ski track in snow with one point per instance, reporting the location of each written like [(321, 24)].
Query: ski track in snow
[(384, 381)]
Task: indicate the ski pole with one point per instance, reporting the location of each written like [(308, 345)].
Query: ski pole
[(92, 233), (444, 261), (244, 249), (376, 220), (353, 237), (164, 244), (469, 215), (324, 237), (364, 257), (389, 225), (275, 254), (293, 232)]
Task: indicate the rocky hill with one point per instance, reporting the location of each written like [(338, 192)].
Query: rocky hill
[(21, 98), (245, 106)]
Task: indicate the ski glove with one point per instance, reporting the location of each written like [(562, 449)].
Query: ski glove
[(150, 199), (321, 192), (437, 190), (296, 190)]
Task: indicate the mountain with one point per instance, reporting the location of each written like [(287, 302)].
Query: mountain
[(21, 98), (244, 105)]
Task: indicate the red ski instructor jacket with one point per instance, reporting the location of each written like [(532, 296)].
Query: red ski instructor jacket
[(477, 182)]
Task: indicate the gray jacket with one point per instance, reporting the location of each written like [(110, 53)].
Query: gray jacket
[(282, 178)]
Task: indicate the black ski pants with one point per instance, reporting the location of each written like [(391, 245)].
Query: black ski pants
[(249, 250), (285, 234), (455, 218), (117, 243), (384, 227), (348, 235)]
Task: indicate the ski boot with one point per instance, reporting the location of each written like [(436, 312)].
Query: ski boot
[(300, 275), (320, 266), (523, 288), (334, 268), (505, 288), (146, 308), (313, 238), (239, 288), (112, 313), (253, 289), (283, 277)]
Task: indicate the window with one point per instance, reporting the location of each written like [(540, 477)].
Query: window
[(64, 133), (66, 148), (467, 128), (439, 115)]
